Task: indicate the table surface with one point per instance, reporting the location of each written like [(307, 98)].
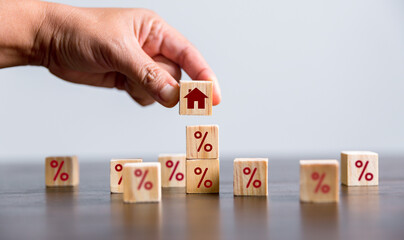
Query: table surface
[(28, 210)]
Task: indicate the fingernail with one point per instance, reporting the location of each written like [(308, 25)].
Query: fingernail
[(169, 94), (217, 91)]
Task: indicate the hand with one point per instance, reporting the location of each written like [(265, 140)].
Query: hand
[(129, 49)]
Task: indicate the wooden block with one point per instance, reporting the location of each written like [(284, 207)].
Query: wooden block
[(61, 171), (250, 177), (142, 182), (203, 176), (202, 142), (172, 170), (319, 181), (359, 168), (196, 97), (115, 173)]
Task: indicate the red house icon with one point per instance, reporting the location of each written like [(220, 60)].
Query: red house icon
[(195, 96)]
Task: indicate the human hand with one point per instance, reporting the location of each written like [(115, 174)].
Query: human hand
[(130, 49)]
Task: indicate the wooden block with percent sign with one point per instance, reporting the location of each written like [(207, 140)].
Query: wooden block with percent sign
[(319, 181), (116, 167), (61, 171), (202, 142), (196, 97), (172, 170), (250, 177), (203, 176), (142, 182), (359, 168)]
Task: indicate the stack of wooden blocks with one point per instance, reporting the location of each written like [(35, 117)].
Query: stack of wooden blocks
[(202, 153), (202, 159), (198, 169)]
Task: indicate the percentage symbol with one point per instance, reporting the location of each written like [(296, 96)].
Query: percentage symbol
[(63, 176), (118, 168), (178, 176), (256, 183), (368, 176), (207, 147), (324, 188), (147, 185), (207, 183)]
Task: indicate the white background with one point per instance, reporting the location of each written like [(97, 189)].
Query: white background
[(298, 77)]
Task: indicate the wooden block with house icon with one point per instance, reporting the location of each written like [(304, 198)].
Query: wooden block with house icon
[(196, 97)]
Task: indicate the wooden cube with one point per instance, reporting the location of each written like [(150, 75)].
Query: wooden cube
[(202, 142), (142, 182), (319, 181), (203, 176), (250, 177), (359, 168), (61, 171), (196, 97), (172, 170), (116, 172)]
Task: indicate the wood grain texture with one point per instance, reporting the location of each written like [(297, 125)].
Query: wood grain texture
[(208, 148), (205, 88), (250, 177), (203, 176), (144, 187), (173, 167), (61, 171), (115, 173), (350, 173), (315, 177)]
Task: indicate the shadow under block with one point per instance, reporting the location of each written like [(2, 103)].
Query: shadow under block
[(61, 171), (202, 141), (196, 97), (203, 176), (172, 170), (116, 171), (142, 182), (319, 181), (359, 168), (250, 177)]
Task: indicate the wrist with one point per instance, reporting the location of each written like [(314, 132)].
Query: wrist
[(50, 32), (20, 23)]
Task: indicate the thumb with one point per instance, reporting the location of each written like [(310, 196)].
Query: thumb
[(157, 82)]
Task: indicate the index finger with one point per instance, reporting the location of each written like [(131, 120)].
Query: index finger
[(179, 50)]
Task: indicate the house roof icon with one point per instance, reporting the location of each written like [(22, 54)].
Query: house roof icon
[(195, 95)]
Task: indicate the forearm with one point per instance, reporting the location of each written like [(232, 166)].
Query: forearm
[(20, 21)]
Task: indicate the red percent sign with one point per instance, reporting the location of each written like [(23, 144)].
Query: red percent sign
[(206, 183), (178, 176), (207, 147), (368, 176), (324, 188), (147, 185), (256, 183), (118, 168), (63, 176)]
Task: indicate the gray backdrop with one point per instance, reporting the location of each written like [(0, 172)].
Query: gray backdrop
[(298, 77)]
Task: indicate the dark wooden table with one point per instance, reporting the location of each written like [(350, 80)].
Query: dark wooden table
[(30, 211)]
